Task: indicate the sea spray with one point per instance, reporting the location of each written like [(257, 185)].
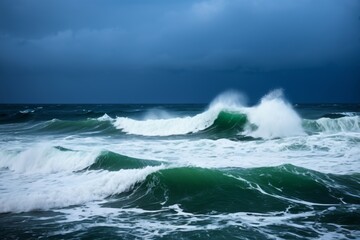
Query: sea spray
[(274, 117), (157, 113), (229, 100)]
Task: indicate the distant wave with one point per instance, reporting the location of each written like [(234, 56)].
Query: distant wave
[(339, 115), (101, 125), (20, 116), (329, 125)]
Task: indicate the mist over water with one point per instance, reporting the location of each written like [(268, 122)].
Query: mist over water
[(269, 170)]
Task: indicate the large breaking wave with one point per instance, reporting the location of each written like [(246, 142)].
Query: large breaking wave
[(272, 117)]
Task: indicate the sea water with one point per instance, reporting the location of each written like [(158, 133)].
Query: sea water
[(223, 170)]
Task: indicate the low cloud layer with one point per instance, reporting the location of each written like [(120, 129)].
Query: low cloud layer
[(202, 34), (81, 38)]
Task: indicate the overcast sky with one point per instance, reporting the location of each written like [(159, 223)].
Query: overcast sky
[(83, 51)]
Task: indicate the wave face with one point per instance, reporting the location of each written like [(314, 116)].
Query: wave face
[(257, 190), (226, 170)]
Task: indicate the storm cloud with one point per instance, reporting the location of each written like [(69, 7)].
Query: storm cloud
[(81, 39)]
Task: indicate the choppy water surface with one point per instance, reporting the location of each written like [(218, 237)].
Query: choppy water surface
[(222, 171)]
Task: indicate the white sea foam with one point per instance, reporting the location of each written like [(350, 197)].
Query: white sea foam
[(324, 153), (154, 227), (174, 219)]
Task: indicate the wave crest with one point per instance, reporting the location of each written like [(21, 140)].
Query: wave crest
[(46, 159)]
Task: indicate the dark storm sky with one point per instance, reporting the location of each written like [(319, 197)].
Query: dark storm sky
[(132, 51)]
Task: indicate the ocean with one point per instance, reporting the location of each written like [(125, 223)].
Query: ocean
[(223, 170)]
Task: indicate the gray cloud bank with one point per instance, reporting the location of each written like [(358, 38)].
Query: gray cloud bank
[(56, 49), (215, 34)]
